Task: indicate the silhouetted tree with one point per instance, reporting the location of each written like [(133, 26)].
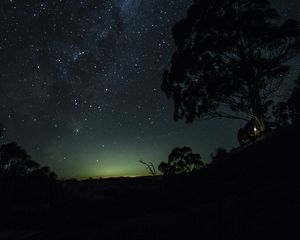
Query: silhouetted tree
[(230, 59), (1, 130), (150, 167), (23, 180), (294, 102), (282, 116), (164, 168), (285, 113), (248, 133), (48, 173), (181, 160), (15, 162), (219, 155)]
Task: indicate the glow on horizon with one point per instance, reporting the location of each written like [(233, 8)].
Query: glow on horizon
[(105, 164)]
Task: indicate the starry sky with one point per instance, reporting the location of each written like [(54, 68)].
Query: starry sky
[(80, 85)]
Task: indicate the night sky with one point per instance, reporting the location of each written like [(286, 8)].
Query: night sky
[(80, 85)]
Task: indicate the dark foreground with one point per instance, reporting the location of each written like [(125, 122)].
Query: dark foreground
[(253, 192)]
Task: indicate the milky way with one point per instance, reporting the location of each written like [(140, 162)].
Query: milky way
[(80, 85)]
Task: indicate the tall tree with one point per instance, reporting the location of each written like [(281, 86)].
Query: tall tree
[(229, 60)]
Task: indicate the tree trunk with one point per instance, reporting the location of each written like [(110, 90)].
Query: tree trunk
[(257, 109), (259, 120), (260, 123)]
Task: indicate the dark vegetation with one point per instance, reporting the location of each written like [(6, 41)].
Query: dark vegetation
[(150, 167), (229, 62), (251, 191), (22, 181), (181, 160)]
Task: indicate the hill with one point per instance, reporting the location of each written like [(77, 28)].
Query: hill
[(253, 191)]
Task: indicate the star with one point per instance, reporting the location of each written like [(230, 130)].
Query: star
[(83, 79)]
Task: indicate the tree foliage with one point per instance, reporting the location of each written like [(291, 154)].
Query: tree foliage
[(181, 160), (22, 180), (15, 162), (229, 60), (219, 155), (249, 132), (294, 102), (1, 130), (286, 113)]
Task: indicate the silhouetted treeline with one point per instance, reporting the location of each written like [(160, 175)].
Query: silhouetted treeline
[(22, 180), (243, 192)]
